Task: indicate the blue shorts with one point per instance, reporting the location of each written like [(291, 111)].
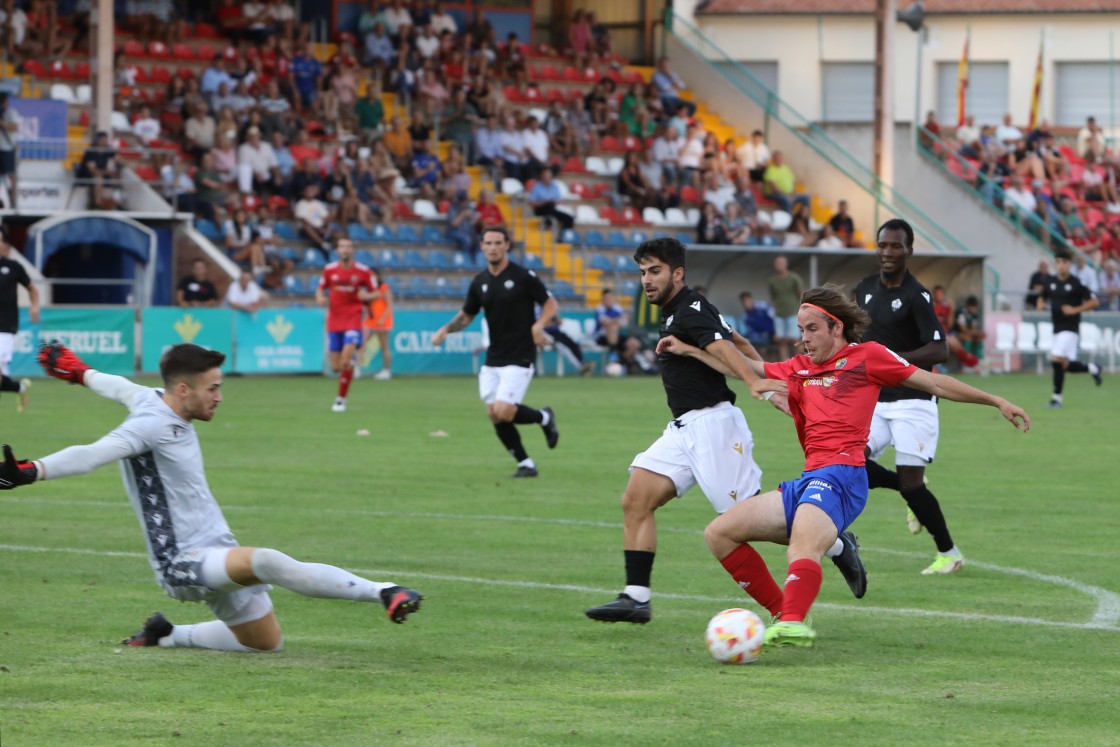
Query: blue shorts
[(336, 341), (840, 491)]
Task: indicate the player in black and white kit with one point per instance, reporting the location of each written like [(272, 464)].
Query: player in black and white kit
[(13, 275), (707, 443), (1068, 298), (903, 319), (509, 293), (190, 546)]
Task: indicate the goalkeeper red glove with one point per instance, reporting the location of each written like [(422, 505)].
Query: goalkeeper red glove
[(58, 361), (14, 473)]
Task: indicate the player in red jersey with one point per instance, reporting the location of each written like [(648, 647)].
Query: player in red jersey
[(348, 286), (833, 388)]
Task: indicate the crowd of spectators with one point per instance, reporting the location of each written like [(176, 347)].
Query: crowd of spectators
[(1055, 190)]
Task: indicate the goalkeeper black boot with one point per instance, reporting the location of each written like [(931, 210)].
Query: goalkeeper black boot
[(400, 602), (551, 433), (851, 565), (623, 609), (155, 627)]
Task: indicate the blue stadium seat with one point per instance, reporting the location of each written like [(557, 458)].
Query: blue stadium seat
[(358, 232), (294, 286), (382, 232), (464, 285), (440, 260), (415, 260), (594, 239), (638, 237), (569, 236), (285, 231), (600, 262), (389, 259), (661, 235), (407, 235), (312, 257), (291, 254), (365, 256), (533, 262), (623, 263), (685, 237), (208, 228), (395, 284), (617, 239), (433, 235)]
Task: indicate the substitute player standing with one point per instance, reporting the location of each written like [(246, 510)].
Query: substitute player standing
[(13, 275), (832, 392), (707, 444), (346, 285), (190, 546), (904, 320), (1068, 298), (509, 294)]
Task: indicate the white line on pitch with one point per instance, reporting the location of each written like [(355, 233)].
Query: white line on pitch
[(1095, 624)]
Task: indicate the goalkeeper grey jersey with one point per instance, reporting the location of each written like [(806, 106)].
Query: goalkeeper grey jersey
[(161, 465)]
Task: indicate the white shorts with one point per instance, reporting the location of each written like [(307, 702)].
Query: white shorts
[(1064, 345), (7, 344), (183, 580), (504, 383), (911, 426), (713, 448), (785, 328)]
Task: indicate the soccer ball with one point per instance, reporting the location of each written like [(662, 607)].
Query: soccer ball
[(735, 636), (615, 369)]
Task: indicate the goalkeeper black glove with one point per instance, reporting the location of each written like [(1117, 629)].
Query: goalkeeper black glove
[(14, 473)]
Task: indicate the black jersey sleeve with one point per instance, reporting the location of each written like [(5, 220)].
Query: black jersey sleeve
[(700, 321), (536, 287), (929, 326), (473, 303)]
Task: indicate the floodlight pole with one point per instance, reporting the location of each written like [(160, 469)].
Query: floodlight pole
[(101, 47), (883, 148)]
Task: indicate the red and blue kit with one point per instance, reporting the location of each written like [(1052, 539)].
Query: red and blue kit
[(345, 308)]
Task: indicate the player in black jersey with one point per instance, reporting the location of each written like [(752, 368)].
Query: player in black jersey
[(1068, 299), (13, 275), (509, 294), (707, 443), (903, 319)]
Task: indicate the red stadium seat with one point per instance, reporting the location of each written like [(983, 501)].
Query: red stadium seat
[(59, 69), (206, 31), (161, 75), (609, 213), (34, 68), (207, 52), (182, 52), (689, 195), (572, 74), (631, 215), (600, 191), (610, 144), (579, 189), (81, 70), (574, 165), (185, 73), (278, 205), (146, 172), (548, 72), (133, 48), (158, 50)]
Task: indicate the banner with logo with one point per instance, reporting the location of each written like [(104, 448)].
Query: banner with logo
[(42, 128), (279, 341), (164, 326), (104, 338)]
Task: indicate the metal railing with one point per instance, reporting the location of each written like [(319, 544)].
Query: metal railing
[(774, 108)]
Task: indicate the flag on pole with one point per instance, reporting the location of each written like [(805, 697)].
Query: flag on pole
[(1036, 93), (962, 81)]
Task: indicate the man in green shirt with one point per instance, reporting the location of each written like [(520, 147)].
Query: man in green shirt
[(779, 183), (785, 296), (370, 111)]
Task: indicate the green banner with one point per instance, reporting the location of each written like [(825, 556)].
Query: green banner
[(279, 341), (103, 338), (164, 326)]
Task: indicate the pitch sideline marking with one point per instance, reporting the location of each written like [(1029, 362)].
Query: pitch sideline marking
[(1106, 617)]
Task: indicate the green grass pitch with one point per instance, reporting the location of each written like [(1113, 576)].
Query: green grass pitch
[(1019, 648)]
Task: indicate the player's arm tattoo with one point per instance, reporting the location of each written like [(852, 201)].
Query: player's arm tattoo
[(459, 322)]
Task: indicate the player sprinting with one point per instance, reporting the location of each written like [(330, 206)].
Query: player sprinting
[(708, 442), (346, 285), (190, 546), (13, 275), (1068, 299), (509, 293), (833, 388), (903, 318)]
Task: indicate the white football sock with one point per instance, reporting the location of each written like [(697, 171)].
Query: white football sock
[(214, 635), (314, 579), (545, 418), (640, 594), (527, 463), (836, 549)]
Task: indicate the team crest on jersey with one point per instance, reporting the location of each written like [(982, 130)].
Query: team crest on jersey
[(925, 296), (484, 287), (695, 306), (896, 304), (867, 299), (669, 321), (842, 362), (825, 381), (508, 284), (4, 270)]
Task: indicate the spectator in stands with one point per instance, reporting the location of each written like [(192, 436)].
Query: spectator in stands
[(968, 133), (199, 130), (799, 233), (419, 128), (1018, 201), (244, 295), (214, 76), (970, 329), (1108, 239), (513, 150), (225, 158), (487, 143), (179, 189), (1068, 218), (745, 199), (238, 233), (1109, 284), (455, 174), (385, 194), (427, 171), (146, 127), (441, 21), (692, 151), (285, 161), (99, 171), (1007, 133), (489, 213), (305, 77), (462, 222), (274, 107), (398, 140), (779, 184), (597, 106), (370, 18), (1025, 162), (431, 91), (583, 128), (757, 322), (537, 149), (633, 115), (666, 150), (1090, 139), (654, 174), (1084, 272), (210, 191), (1057, 167), (314, 219), (785, 296), (579, 39), (611, 321), (378, 48), (478, 28), (827, 239), (717, 191), (544, 198), (1036, 284), (397, 20), (1095, 187), (196, 290), (258, 169), (668, 85), (736, 225), (710, 229), (428, 44), (842, 224), (370, 111)]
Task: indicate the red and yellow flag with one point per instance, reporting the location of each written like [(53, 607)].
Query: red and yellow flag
[(962, 82), (1036, 93)]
